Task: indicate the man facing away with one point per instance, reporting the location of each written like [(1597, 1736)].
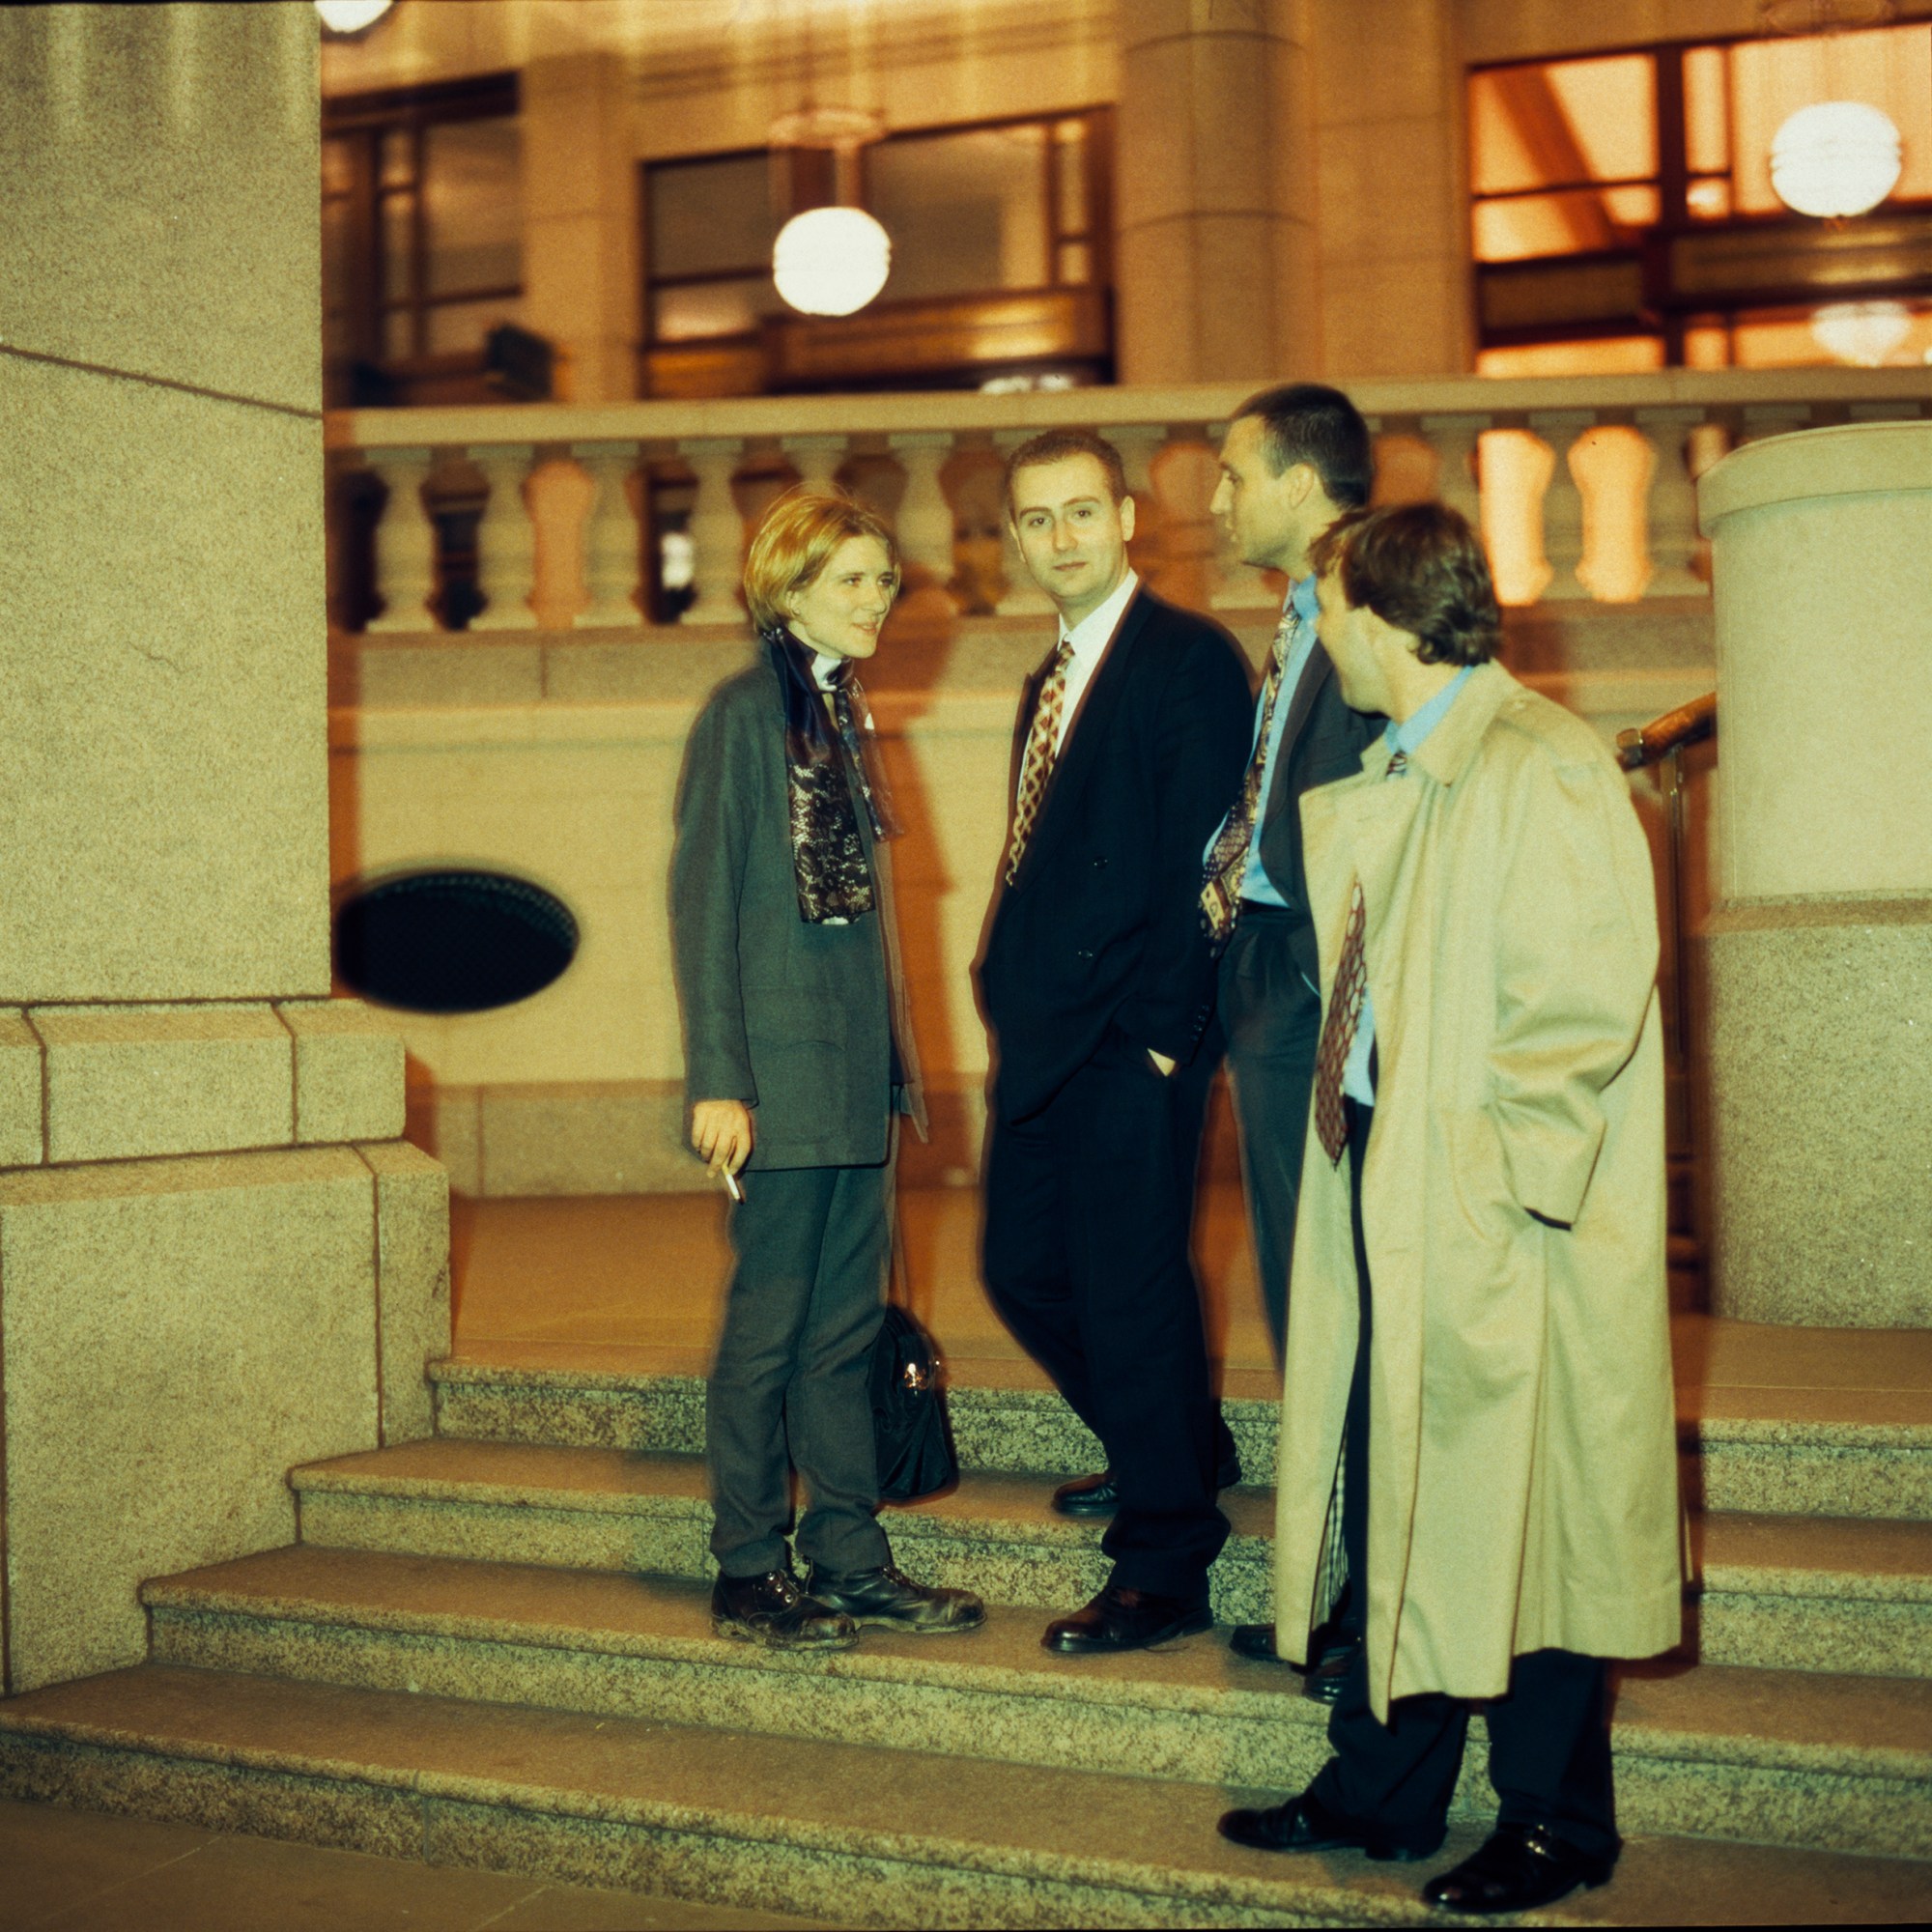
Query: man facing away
[(1097, 982), (1293, 459), (1478, 1394)]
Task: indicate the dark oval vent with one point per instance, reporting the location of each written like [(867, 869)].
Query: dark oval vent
[(452, 942)]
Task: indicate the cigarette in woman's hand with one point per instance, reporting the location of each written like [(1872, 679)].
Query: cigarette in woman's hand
[(731, 1186)]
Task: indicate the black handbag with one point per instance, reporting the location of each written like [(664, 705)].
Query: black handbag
[(909, 1425)]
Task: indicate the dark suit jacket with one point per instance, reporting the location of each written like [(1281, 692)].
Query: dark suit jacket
[(796, 1020), (1102, 926), (1323, 739)]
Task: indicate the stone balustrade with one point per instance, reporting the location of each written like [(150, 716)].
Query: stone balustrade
[(598, 518)]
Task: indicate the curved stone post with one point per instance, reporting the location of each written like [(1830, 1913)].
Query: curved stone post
[(613, 550), (405, 542), (1673, 503), (1819, 951), (926, 528), (717, 530), (506, 540), (1563, 501)]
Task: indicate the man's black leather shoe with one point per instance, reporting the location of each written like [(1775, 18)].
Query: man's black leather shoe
[(773, 1610), (1330, 1669), (884, 1599), (1517, 1868), (1304, 1824), (1321, 1680), (1124, 1619), (1096, 1496)]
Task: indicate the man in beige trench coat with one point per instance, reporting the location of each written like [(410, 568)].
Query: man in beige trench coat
[(1483, 1195)]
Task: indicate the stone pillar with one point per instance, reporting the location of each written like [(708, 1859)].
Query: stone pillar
[(1217, 255), (581, 221), (1819, 949), (217, 1259), (1394, 257)]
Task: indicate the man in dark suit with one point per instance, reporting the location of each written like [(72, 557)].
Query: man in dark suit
[(1295, 457), (1099, 985)]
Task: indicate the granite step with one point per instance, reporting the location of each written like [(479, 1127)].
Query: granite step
[(1840, 1763), (1799, 1452), (856, 1834), (1791, 1592)]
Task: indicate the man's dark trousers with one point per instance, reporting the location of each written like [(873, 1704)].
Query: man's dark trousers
[(794, 1367), (1272, 1017), (1089, 1207), (1549, 1740)]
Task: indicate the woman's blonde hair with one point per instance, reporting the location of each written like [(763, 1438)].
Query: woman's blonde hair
[(795, 542)]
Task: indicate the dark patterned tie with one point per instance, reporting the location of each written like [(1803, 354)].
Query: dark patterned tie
[(1228, 862), (1345, 1014), (1338, 1031), (1042, 748)]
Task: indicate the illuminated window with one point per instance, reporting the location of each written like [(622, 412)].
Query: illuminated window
[(422, 229), (1623, 214)]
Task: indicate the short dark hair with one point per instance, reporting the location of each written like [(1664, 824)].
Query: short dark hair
[(1055, 445), (1420, 567), (1311, 423)]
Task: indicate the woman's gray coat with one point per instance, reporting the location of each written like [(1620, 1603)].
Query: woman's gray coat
[(798, 1021)]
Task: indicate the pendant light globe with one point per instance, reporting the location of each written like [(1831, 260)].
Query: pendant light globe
[(831, 260), (1836, 159), (351, 16)]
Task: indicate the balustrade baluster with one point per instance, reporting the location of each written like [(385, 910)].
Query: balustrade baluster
[(506, 540), (1183, 480), (817, 459), (405, 542), (925, 526), (1563, 501), (1139, 443), (717, 530), (1024, 598), (613, 548), (1455, 440), (1673, 504)]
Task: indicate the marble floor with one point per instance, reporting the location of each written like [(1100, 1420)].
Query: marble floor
[(77, 1871), (637, 1281)]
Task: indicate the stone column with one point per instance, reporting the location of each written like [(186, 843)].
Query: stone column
[(1217, 254), (1819, 949), (218, 1258), (581, 220), (1394, 256)]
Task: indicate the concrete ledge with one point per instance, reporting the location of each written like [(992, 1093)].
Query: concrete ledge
[(347, 1071), (119, 1082), (412, 1282), (1821, 1110), (22, 1136), (133, 1081)]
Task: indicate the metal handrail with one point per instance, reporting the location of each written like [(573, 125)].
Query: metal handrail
[(1662, 743), (1689, 724)]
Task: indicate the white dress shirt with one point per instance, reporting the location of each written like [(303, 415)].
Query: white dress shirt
[(1090, 638)]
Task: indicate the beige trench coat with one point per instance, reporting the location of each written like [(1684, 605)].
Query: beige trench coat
[(1522, 1483)]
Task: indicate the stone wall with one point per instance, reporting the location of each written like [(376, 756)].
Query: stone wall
[(216, 1258)]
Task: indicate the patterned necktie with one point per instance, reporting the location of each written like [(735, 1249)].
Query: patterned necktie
[(1042, 748), (1228, 862), (1338, 1031), (1345, 1013)]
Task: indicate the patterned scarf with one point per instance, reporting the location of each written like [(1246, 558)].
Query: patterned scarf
[(834, 883)]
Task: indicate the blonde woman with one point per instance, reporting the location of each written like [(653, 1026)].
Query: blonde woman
[(798, 1059)]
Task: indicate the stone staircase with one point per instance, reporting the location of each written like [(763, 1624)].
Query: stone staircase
[(460, 1662)]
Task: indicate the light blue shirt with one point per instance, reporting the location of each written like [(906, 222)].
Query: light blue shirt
[(1406, 737), (1301, 599)]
